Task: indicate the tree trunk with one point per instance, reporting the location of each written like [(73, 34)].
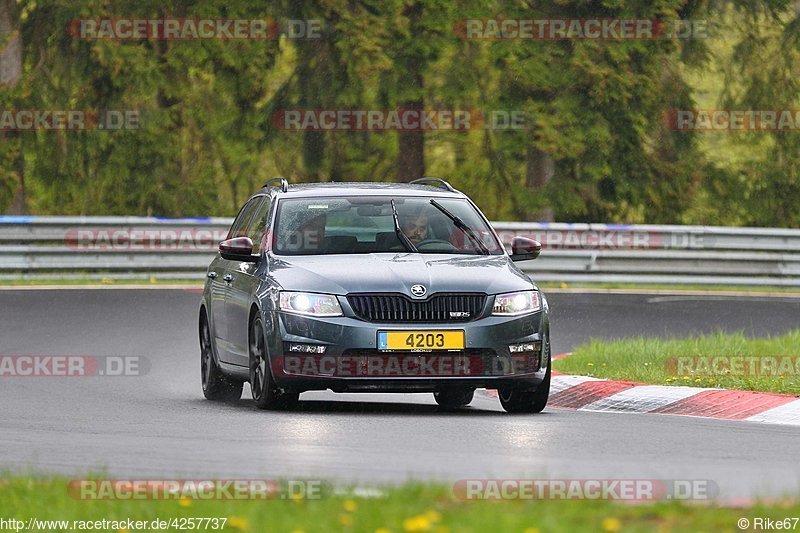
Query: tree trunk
[(312, 58), (10, 73), (411, 144), (539, 171), (411, 154)]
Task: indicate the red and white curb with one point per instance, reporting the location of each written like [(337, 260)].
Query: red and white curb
[(584, 393)]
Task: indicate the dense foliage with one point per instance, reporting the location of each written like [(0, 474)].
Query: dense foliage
[(594, 145)]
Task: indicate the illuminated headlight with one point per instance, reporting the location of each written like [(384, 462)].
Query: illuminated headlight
[(307, 303), (516, 303)]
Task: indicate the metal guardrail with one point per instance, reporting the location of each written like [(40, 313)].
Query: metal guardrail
[(134, 247)]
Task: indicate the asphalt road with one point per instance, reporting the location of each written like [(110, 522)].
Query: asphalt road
[(159, 425)]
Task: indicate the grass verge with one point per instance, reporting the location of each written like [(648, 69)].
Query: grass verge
[(633, 287), (724, 360), (410, 508)]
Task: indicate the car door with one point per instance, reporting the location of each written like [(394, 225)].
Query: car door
[(219, 293), (221, 285), (242, 285)]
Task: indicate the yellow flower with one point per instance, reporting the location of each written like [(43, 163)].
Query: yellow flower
[(298, 531), (531, 530), (239, 523), (383, 530), (350, 506), (563, 284), (417, 523), (185, 502), (107, 281), (296, 498), (123, 530), (611, 524), (346, 520)]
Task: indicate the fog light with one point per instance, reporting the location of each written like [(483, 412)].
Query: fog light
[(307, 348), (525, 347)]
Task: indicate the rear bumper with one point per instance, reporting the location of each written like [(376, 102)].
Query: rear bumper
[(351, 361)]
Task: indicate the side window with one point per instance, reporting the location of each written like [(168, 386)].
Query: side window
[(242, 222), (258, 228)]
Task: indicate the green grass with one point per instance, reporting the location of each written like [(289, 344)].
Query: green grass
[(410, 508), (652, 360)]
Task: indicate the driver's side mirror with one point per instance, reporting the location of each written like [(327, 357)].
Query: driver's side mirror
[(238, 249), (524, 249)]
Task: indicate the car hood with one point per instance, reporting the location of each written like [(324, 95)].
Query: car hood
[(397, 272)]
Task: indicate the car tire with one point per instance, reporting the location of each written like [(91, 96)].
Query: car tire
[(266, 393), (529, 401), (216, 385), (454, 398)]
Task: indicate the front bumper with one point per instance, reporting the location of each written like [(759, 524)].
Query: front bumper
[(351, 361)]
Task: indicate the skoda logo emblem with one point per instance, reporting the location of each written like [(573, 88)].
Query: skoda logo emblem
[(418, 290)]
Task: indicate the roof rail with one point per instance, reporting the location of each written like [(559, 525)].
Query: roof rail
[(435, 182), (283, 183)]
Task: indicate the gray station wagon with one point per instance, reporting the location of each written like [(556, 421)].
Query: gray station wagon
[(372, 287)]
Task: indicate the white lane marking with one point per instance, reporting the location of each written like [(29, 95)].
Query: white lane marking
[(723, 298), (560, 383), (788, 413), (642, 399)]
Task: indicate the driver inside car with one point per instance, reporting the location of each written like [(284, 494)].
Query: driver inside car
[(415, 226)]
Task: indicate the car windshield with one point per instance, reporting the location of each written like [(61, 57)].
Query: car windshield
[(362, 225)]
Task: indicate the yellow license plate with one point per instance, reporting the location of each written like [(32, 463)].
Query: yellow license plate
[(421, 340)]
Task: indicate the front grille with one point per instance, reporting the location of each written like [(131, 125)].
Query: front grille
[(455, 307)]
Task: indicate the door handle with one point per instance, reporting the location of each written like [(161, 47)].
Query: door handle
[(228, 278), (212, 275)]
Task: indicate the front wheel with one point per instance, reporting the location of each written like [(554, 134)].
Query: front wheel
[(454, 399), (216, 385), (266, 393), (529, 401)]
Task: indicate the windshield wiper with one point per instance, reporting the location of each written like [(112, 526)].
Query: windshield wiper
[(462, 226), (400, 235)]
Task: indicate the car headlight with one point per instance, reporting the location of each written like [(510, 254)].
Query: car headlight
[(516, 303), (307, 303)]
